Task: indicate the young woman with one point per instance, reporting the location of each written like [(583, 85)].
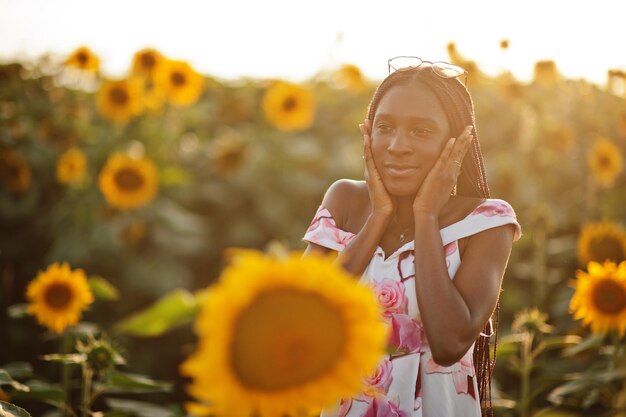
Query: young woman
[(424, 233)]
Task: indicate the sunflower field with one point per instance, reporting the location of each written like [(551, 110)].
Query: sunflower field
[(122, 201)]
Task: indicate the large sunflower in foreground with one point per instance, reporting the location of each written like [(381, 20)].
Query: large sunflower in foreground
[(180, 83), (121, 100), (71, 166), (288, 106), (605, 161), (283, 337), (600, 297), (84, 59), (58, 296), (128, 183), (601, 241)]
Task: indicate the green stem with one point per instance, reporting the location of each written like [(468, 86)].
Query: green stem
[(65, 374), (526, 367), (86, 395)]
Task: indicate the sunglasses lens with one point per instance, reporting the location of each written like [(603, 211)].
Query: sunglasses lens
[(404, 63), (445, 70)]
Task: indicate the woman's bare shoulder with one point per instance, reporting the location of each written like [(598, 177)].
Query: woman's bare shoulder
[(345, 198)]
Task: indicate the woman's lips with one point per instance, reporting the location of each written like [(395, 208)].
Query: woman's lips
[(400, 171)]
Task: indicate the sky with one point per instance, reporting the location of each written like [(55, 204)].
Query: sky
[(296, 39)]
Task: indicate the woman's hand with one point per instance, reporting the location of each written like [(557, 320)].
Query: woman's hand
[(382, 203), (438, 184)]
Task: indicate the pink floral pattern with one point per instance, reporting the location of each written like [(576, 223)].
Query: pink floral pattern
[(380, 380), (495, 208), (406, 333), (403, 377), (462, 373), (391, 296), (381, 406)]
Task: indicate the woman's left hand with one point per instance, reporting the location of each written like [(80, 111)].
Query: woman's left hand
[(438, 184)]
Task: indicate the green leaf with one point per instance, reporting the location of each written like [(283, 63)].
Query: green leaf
[(11, 410), (592, 342), (5, 379), (138, 408), (42, 391), (102, 288), (18, 311), (175, 309), (122, 382), (72, 358), (18, 370)]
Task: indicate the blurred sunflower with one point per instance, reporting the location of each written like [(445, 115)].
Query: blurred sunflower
[(531, 320), (228, 151), (601, 241), (180, 83), (71, 166), (546, 73), (147, 62), (83, 58), (605, 161), (283, 335), (504, 44), (15, 172), (120, 100), (58, 296), (351, 78), (600, 297), (128, 183), (289, 107)]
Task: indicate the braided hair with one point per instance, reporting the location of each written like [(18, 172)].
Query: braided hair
[(459, 109)]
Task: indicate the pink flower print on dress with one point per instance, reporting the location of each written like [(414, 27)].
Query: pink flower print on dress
[(383, 407), (323, 227), (391, 296), (495, 208), (344, 407), (406, 333), (448, 250), (462, 373), (379, 382)]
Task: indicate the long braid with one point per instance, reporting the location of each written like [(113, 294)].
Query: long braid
[(459, 108)]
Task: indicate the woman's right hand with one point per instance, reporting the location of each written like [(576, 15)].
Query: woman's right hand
[(382, 203)]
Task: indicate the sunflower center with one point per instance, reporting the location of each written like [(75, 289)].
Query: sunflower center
[(286, 338), (178, 78), (290, 103), (128, 179), (609, 297), (58, 296), (119, 96), (606, 248), (148, 61), (604, 161), (82, 58)]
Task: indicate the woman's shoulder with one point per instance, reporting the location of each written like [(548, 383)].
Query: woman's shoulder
[(346, 199)]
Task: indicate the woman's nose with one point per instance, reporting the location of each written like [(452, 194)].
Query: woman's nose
[(399, 144)]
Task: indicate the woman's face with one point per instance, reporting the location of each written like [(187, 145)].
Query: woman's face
[(409, 131)]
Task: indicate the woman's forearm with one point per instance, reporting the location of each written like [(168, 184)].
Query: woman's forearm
[(445, 314), (357, 255)]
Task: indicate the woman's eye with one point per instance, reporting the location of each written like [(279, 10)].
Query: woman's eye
[(420, 131), (383, 128)]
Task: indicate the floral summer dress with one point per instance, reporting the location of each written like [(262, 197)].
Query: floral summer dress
[(411, 384)]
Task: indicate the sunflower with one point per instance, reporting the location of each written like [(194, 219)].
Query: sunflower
[(58, 296), (147, 62), (351, 78), (289, 107), (600, 297), (71, 166), (128, 183), (601, 241), (84, 59), (283, 336), (605, 161), (15, 172), (180, 83), (546, 73), (120, 100)]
